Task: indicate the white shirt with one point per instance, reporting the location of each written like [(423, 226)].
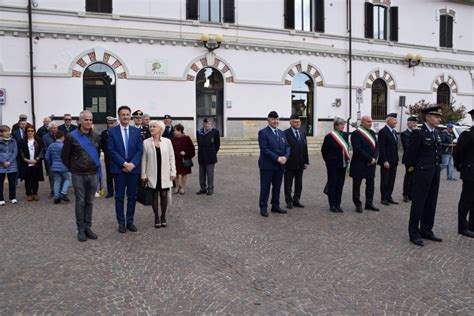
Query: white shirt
[(273, 129), (429, 128), (31, 150)]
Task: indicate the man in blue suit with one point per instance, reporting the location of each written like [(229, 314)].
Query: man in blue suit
[(274, 153), (125, 150)]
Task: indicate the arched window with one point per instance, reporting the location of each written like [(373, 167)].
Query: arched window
[(379, 100), (99, 91), (302, 99), (443, 95), (210, 98)]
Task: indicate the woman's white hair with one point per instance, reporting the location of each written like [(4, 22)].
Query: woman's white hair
[(160, 125)]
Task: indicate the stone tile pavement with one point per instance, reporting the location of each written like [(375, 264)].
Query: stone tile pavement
[(219, 256)]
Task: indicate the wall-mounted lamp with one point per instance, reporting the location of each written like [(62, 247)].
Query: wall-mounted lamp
[(212, 42), (413, 60), (337, 103)]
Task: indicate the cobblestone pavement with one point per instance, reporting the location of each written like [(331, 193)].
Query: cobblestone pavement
[(219, 256)]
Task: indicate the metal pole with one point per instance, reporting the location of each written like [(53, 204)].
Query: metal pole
[(349, 12), (32, 87)]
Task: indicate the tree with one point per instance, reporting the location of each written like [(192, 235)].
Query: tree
[(450, 112)]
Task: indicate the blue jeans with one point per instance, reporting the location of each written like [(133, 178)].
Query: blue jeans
[(448, 164), (61, 181)]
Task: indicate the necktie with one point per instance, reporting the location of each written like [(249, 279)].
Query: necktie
[(297, 135), (126, 142), (395, 135), (276, 133)]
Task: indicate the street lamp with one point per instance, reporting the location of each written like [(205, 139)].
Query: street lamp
[(212, 42), (413, 60)]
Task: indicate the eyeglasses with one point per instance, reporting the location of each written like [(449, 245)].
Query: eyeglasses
[(31, 131), (68, 119)]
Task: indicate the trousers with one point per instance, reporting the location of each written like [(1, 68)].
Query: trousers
[(297, 176), (85, 186)]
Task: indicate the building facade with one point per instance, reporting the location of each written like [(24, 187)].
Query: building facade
[(291, 56)]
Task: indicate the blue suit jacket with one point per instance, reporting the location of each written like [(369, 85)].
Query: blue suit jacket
[(117, 149), (272, 147)]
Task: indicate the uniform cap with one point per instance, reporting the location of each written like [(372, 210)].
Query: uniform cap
[(394, 115), (273, 114), (411, 119), (206, 120), (111, 119), (294, 117), (137, 113), (471, 112), (167, 116), (435, 110)]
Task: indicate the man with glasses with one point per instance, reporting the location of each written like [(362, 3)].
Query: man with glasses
[(67, 127)]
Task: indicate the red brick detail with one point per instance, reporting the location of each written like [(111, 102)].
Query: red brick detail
[(455, 90), (216, 62), (76, 73), (291, 73), (319, 83), (298, 67), (116, 64), (190, 78), (204, 62), (442, 78), (317, 74), (195, 68), (229, 79), (309, 68), (287, 82), (81, 63), (368, 85), (377, 74), (92, 57), (225, 69), (392, 86), (371, 78), (435, 89), (106, 58), (122, 75)]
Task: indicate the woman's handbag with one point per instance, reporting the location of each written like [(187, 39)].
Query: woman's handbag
[(144, 195), (187, 163)]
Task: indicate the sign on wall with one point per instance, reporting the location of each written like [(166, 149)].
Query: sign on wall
[(359, 95), (156, 67), (3, 96)]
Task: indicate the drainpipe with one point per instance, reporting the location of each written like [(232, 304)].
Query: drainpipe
[(349, 18), (32, 87)]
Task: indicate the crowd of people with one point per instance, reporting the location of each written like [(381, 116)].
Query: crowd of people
[(426, 151), (156, 156)]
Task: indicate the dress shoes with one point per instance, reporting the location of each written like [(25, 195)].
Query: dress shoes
[(264, 213), (358, 208), (391, 201), (372, 208), (333, 209), (90, 234), (418, 242), (210, 192), (133, 228), (81, 236), (278, 210), (122, 229), (289, 205), (385, 202), (467, 233), (432, 237), (339, 209), (201, 192), (298, 204)]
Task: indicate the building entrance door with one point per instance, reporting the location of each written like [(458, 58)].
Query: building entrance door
[(210, 98), (99, 92)]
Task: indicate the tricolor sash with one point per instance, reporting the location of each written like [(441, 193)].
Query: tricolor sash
[(367, 135), (342, 142), (90, 149)]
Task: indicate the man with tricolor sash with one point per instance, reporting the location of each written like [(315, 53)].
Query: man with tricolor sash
[(364, 160)]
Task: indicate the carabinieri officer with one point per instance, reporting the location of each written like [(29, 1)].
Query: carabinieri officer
[(424, 158)]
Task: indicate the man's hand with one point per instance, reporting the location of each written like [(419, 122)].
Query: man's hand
[(128, 167), (182, 153), (282, 160), (305, 166), (7, 164), (386, 165), (373, 161)]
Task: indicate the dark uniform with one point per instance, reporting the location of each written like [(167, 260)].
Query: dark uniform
[(295, 165), (169, 129), (464, 162), (405, 138), (424, 158), (209, 143), (363, 153), (104, 146), (144, 130), (388, 144)]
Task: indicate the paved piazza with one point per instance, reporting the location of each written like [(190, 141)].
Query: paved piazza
[(219, 256)]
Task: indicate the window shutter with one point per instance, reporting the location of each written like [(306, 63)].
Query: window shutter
[(290, 14), (106, 6), (91, 6), (394, 24), (369, 20), (442, 30), (229, 11), (319, 7), (449, 31), (191, 9)]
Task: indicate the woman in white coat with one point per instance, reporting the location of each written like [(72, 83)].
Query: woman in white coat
[(158, 169)]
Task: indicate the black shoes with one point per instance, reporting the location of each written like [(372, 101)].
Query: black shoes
[(264, 213), (391, 201), (289, 205), (418, 242), (385, 202), (122, 229), (333, 209), (467, 233), (432, 237), (81, 236), (406, 199), (298, 204), (133, 228), (278, 210), (57, 201), (90, 234), (210, 192), (372, 207), (201, 192), (359, 208), (163, 221), (64, 198), (339, 209)]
